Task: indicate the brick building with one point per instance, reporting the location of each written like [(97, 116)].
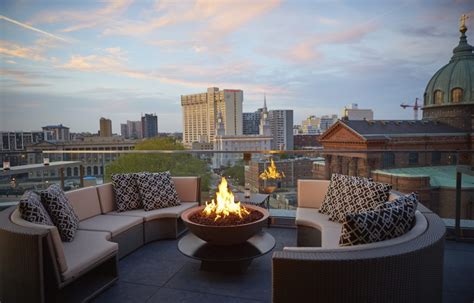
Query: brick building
[(302, 141)]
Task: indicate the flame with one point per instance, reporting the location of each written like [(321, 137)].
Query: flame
[(271, 172), (225, 204)]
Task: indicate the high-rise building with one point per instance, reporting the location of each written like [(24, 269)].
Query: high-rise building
[(134, 129), (149, 125), (354, 113), (310, 126), (105, 127), (124, 130), (281, 125), (251, 123), (327, 122), (56, 133), (200, 114)]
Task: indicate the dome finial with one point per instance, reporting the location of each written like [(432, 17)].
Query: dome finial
[(462, 25)]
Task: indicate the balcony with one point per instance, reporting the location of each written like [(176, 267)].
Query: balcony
[(159, 272)]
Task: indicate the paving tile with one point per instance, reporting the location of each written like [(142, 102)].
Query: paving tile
[(148, 270), (256, 282), (183, 296), (457, 297), (123, 292), (181, 280)]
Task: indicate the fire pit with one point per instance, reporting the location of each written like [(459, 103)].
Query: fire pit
[(224, 221)]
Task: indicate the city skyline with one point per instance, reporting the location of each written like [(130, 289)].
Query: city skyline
[(73, 63)]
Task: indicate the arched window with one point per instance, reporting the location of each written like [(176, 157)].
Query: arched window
[(425, 98), (438, 97), (456, 95)]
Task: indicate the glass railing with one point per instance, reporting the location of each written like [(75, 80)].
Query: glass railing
[(430, 173)]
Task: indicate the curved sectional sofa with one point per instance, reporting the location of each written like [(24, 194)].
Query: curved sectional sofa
[(404, 269), (36, 266)]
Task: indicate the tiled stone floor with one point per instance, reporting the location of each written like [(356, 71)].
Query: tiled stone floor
[(158, 272)]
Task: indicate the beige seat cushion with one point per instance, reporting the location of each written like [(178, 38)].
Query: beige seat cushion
[(85, 202), (56, 239), (168, 212), (311, 217), (87, 250), (419, 228), (113, 224)]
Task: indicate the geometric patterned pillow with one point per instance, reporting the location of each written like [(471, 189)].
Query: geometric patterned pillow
[(359, 197), (127, 196), (409, 202), (337, 187), (381, 224), (32, 210), (61, 212), (157, 190)]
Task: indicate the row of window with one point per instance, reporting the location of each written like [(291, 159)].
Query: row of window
[(457, 95), (389, 158)]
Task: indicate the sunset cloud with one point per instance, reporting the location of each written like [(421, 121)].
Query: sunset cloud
[(79, 20)]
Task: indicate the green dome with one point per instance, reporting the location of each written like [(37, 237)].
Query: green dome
[(453, 83)]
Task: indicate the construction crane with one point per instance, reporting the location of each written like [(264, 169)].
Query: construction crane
[(415, 106)]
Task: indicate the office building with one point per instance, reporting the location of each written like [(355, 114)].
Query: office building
[(149, 125), (310, 126), (327, 122), (200, 114), (251, 122), (225, 142), (281, 126), (105, 127), (56, 133), (354, 113)]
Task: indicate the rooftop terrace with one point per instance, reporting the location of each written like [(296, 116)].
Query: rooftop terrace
[(158, 272)]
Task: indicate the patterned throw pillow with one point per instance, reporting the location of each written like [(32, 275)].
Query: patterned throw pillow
[(337, 189), (127, 195), (157, 190), (61, 212), (390, 220), (32, 210)]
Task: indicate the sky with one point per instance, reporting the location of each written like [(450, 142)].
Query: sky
[(72, 62)]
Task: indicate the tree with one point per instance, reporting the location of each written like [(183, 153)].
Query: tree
[(236, 172), (177, 164)]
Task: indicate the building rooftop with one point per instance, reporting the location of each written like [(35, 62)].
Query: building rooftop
[(389, 128), (440, 176)]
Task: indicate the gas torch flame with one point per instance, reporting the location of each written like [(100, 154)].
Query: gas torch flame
[(271, 172), (225, 204)]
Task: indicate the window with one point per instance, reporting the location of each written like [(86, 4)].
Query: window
[(436, 157), (413, 158), (438, 97), (453, 159), (425, 98), (456, 95), (388, 159)]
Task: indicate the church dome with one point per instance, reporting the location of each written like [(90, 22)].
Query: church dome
[(453, 84)]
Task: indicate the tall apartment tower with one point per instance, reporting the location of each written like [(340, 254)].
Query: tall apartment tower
[(105, 127), (200, 114), (251, 122), (149, 125), (281, 125)]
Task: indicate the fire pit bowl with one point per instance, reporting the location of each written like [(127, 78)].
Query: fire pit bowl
[(225, 235)]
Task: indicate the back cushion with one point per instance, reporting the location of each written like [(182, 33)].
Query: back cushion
[(85, 202), (106, 197), (126, 192), (187, 188)]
